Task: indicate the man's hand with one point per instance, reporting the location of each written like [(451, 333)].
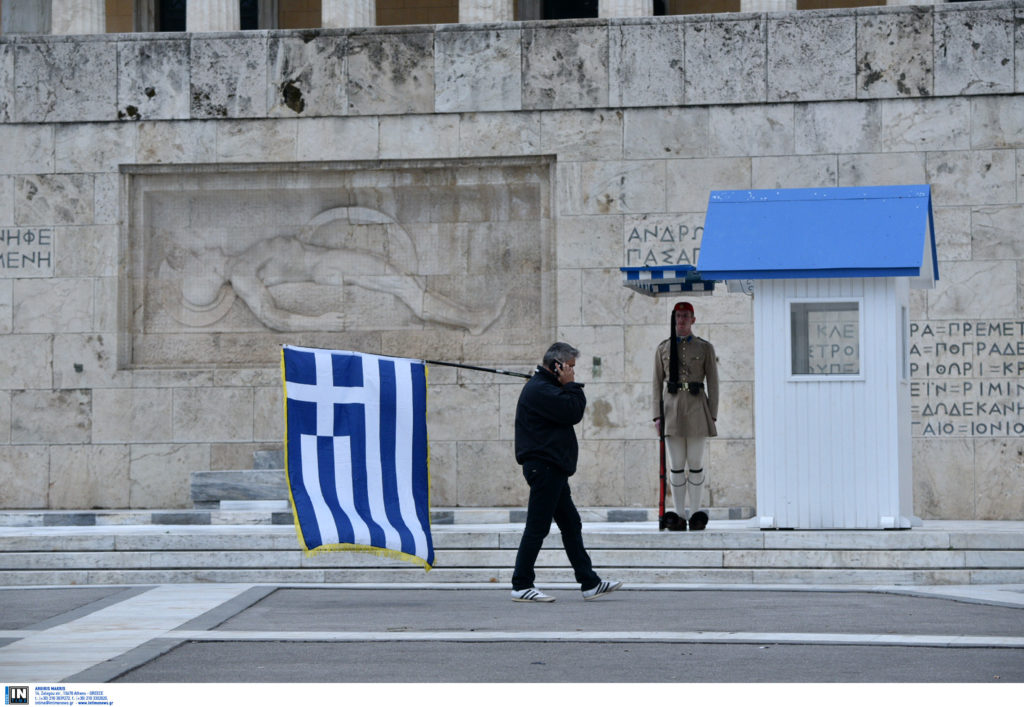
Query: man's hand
[(657, 425), (566, 372)]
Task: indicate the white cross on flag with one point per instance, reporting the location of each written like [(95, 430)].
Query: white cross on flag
[(356, 452)]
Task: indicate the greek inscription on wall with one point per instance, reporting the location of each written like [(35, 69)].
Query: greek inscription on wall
[(967, 378), (26, 252), (659, 242)]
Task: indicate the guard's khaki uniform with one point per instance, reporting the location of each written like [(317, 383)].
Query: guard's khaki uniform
[(686, 414)]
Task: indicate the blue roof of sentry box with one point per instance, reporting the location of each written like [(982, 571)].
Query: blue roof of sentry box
[(820, 233)]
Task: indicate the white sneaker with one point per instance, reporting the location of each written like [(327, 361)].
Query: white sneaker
[(600, 590), (530, 594)]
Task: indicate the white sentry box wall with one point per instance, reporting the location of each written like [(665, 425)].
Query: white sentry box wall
[(833, 451)]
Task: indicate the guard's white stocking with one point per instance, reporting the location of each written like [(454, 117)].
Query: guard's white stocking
[(695, 481), (678, 481)]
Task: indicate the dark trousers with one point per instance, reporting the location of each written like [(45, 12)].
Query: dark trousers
[(550, 499)]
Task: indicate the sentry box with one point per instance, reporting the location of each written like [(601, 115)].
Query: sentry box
[(830, 272)]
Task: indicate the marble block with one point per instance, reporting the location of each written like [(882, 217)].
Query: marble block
[(751, 130), (463, 412), (839, 127), (228, 77), (419, 136), (87, 360), (794, 172), (565, 67), (600, 478), (666, 132), (640, 473), (6, 82), (159, 474), (54, 199), (94, 476), (479, 70), (338, 139), (488, 475), (944, 474), (953, 233), (51, 416), (85, 90), (170, 142), (239, 485), (1018, 43), (256, 141), (53, 305), (28, 149), (975, 177), (209, 414), (582, 135), (615, 411), (874, 169), (26, 361), (17, 488), (94, 249), (487, 134), (973, 50), (93, 147), (731, 477), (443, 474), (826, 42), (390, 73), (307, 75), (996, 232), (894, 53), (918, 124), (1000, 464), (689, 182), (609, 187), (153, 79), (6, 306), (726, 61), (268, 415), (646, 63), (976, 289), (132, 415), (997, 121)]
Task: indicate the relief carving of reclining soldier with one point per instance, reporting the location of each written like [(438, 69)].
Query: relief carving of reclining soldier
[(344, 246), (225, 263)]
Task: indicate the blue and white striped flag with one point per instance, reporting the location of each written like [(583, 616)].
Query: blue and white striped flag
[(356, 452)]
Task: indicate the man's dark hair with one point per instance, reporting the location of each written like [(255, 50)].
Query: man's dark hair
[(560, 352)]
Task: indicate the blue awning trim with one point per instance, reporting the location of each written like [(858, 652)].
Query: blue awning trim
[(820, 233), (654, 281)]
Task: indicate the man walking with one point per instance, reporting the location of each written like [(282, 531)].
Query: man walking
[(550, 404)]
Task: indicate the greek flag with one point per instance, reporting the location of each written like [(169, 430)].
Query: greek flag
[(356, 452)]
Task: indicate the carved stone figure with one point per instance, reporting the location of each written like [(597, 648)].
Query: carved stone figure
[(345, 246)]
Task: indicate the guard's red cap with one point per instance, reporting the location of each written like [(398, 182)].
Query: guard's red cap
[(683, 306)]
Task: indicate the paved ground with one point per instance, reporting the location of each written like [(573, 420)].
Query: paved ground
[(433, 633)]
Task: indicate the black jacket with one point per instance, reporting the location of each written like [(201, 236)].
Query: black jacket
[(545, 417)]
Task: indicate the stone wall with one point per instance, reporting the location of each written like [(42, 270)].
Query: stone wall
[(143, 179)]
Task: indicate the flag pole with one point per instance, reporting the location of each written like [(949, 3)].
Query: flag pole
[(478, 368)]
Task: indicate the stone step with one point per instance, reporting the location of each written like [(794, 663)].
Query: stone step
[(546, 577), (730, 552), (278, 512), (495, 560), (231, 489)]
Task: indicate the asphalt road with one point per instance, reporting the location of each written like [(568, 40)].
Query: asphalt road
[(477, 635)]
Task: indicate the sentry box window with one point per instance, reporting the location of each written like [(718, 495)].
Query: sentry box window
[(825, 338)]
